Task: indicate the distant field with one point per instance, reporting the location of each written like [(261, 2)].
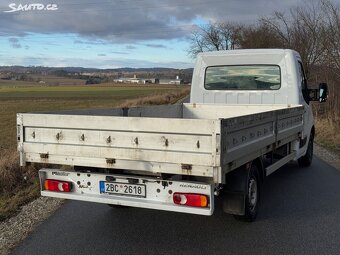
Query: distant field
[(120, 92), (46, 98), (56, 80), (7, 83), (46, 80)]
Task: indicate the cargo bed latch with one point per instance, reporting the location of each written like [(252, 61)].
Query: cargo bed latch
[(187, 167), (110, 161)]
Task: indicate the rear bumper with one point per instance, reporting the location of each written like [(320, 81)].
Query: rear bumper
[(159, 193)]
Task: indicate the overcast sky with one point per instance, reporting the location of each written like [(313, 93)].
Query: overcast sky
[(116, 33)]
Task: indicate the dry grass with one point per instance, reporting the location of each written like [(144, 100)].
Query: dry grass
[(18, 185), (11, 174), (167, 98), (327, 134), (327, 115)]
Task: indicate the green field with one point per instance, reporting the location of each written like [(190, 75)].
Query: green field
[(14, 99), (47, 80)]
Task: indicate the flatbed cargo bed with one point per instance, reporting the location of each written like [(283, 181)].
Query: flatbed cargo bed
[(206, 140)]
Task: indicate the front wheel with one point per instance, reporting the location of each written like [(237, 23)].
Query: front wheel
[(307, 159)]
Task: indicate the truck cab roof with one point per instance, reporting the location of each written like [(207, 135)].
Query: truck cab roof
[(249, 52), (247, 76)]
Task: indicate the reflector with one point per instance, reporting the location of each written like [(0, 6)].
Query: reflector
[(190, 199)]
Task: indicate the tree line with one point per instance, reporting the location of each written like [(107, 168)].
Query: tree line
[(312, 29)]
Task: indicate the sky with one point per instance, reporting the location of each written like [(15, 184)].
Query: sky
[(115, 33)]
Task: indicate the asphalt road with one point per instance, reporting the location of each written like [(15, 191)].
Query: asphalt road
[(300, 214)]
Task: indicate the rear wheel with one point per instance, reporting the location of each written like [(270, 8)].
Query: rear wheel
[(307, 159), (252, 198)]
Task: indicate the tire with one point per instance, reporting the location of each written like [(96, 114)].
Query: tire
[(253, 196), (306, 160)]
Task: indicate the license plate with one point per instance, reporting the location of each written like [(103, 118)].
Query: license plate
[(118, 188)]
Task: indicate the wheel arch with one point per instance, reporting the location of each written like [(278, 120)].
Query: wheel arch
[(258, 162)]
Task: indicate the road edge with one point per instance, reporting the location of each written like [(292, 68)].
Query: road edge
[(328, 156), (15, 229)]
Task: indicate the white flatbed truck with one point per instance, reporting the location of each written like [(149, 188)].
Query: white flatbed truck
[(249, 115)]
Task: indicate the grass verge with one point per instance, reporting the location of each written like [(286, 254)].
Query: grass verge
[(327, 134), (18, 185)]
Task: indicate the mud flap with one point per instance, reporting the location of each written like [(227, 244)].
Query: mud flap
[(234, 203), (235, 191)]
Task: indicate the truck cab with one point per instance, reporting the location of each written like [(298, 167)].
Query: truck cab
[(253, 77)]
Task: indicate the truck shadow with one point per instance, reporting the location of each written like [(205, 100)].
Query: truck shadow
[(301, 193)]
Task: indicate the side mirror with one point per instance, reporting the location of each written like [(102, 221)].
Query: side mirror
[(323, 92), (320, 94)]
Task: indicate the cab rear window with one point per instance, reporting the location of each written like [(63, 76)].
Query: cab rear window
[(245, 77)]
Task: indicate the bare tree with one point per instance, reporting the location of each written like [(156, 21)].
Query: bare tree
[(214, 36), (303, 30), (312, 29), (332, 37), (259, 36)]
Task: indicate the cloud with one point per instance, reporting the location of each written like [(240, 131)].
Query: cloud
[(101, 55), (93, 42), (120, 52), (122, 22), (151, 45), (130, 47), (14, 42)]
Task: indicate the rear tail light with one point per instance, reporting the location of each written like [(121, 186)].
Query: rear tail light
[(59, 186), (189, 199)]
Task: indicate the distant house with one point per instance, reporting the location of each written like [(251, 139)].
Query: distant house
[(176, 81), (134, 80)]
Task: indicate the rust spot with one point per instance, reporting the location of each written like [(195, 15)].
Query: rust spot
[(44, 155), (108, 140), (110, 161)]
